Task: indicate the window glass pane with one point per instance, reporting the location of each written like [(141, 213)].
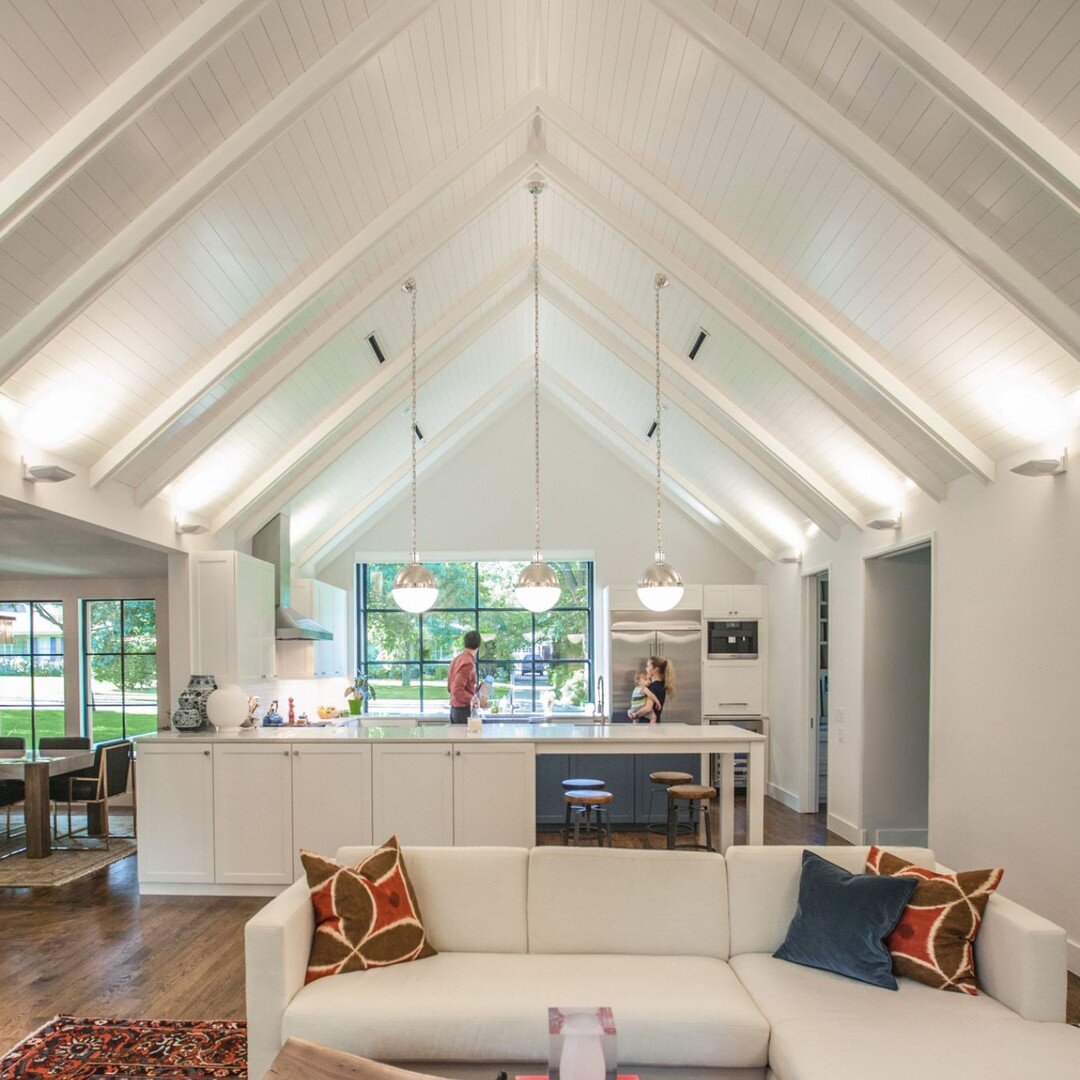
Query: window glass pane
[(457, 584), (569, 685), (522, 677), (497, 584), (563, 635), (16, 625), (396, 686), (14, 723), (436, 696), (103, 626), (140, 626), (505, 635), (443, 634), (379, 583), (48, 620), (575, 583), (48, 696), (140, 682), (502, 671), (392, 635), (105, 721)]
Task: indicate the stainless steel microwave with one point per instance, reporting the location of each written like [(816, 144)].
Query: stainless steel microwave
[(727, 640)]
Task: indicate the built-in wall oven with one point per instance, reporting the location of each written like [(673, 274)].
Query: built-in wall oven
[(731, 640)]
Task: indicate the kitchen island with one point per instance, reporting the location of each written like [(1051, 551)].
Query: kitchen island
[(226, 812)]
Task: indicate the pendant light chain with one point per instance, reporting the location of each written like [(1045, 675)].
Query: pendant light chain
[(536, 188), (410, 287), (659, 283)]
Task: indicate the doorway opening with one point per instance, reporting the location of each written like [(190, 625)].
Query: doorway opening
[(898, 605), (817, 638)]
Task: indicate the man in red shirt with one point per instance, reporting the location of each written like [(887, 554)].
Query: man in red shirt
[(464, 680)]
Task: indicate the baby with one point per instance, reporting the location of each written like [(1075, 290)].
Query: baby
[(639, 699)]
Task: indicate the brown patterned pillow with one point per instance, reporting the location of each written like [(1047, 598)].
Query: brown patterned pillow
[(933, 942), (365, 915)]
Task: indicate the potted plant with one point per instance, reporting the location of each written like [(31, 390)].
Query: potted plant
[(359, 691)]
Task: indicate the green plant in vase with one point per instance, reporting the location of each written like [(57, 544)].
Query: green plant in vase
[(359, 691)]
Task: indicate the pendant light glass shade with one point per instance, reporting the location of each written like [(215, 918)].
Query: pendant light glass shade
[(538, 587), (414, 589), (660, 587)]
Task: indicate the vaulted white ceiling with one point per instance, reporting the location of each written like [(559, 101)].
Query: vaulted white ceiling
[(872, 208)]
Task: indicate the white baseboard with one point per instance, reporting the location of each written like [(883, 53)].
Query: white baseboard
[(1072, 955), (172, 888), (845, 829), (901, 837), (789, 799)]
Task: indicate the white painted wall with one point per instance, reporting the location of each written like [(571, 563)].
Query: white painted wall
[(1005, 732), (896, 698)]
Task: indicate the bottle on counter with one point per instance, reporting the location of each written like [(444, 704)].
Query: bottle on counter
[(292, 711)]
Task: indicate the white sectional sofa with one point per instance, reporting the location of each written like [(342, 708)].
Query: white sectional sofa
[(679, 944)]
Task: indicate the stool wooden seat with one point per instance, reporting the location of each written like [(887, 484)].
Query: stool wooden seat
[(698, 797), (671, 778), (583, 804)]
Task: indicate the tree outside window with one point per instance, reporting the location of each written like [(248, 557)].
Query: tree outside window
[(121, 668), (533, 659), (32, 670)]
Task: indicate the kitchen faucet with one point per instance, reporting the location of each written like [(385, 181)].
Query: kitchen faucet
[(600, 697)]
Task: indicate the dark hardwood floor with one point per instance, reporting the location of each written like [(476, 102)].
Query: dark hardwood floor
[(96, 948)]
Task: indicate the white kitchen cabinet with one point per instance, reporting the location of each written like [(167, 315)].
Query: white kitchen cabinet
[(495, 796), (328, 606), (253, 807), (733, 688), (734, 601), (413, 793), (176, 813), (232, 617), (331, 796)]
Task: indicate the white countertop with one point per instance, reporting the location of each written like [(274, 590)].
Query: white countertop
[(647, 736)]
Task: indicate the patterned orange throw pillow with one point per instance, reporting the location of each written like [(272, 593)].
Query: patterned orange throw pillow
[(933, 941), (365, 915)]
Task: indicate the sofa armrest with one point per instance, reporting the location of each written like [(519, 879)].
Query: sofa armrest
[(277, 943), (1020, 959)]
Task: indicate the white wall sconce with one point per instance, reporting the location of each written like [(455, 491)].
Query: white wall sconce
[(791, 557), (886, 522), (1043, 466), (45, 473), (189, 525)]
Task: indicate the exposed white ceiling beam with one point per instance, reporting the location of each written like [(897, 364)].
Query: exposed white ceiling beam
[(740, 433), (463, 428), (979, 100), (859, 360), (36, 328), (93, 127), (742, 540), (247, 397), (345, 426), (1040, 303), (829, 393), (172, 410)]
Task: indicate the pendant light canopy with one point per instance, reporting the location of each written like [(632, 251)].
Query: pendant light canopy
[(660, 587), (415, 589), (538, 587)]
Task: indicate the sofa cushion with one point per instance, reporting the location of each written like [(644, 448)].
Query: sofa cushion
[(475, 1007), (593, 900), (826, 1027), (473, 899), (932, 943), (763, 888)]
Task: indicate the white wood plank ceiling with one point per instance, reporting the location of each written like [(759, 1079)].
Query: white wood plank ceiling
[(873, 209)]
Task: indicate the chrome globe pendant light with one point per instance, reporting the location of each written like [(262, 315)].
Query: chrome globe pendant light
[(538, 585), (414, 589), (660, 587)]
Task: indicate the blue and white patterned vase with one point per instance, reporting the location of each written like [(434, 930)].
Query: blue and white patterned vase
[(191, 714)]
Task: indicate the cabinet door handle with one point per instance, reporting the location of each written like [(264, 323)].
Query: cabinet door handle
[(296, 753), (457, 753), (733, 703), (206, 753), (286, 753), (447, 753)]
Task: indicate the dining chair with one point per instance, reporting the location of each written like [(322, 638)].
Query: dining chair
[(111, 771), (58, 785), (12, 792)]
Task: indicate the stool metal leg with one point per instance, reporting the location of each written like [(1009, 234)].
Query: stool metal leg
[(672, 817), (577, 829), (566, 827), (705, 809)]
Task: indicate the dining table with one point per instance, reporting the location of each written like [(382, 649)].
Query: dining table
[(34, 769)]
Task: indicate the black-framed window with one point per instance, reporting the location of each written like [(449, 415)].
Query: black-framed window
[(533, 659), (120, 647), (31, 669)]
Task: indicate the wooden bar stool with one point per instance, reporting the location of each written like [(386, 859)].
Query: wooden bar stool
[(697, 798), (661, 781), (584, 803)]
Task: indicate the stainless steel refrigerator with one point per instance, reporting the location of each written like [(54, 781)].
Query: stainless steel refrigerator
[(637, 635)]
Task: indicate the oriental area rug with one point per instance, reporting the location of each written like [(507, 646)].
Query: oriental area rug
[(69, 1048)]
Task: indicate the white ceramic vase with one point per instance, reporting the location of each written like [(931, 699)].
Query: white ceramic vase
[(226, 707)]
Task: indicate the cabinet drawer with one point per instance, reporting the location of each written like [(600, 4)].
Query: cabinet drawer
[(733, 688)]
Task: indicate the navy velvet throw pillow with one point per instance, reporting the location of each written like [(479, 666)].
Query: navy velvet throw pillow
[(843, 919)]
